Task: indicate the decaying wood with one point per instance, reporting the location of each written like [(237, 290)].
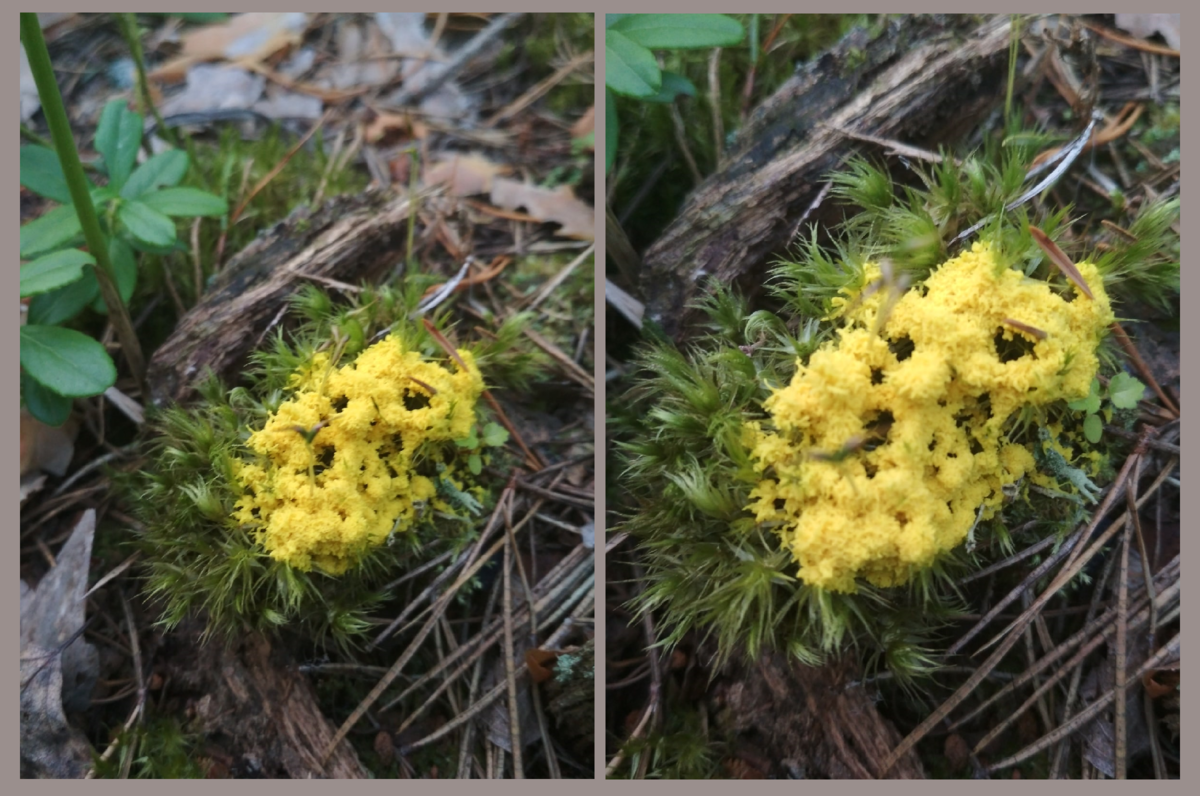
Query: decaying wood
[(258, 712), (923, 81), (807, 721), (349, 239)]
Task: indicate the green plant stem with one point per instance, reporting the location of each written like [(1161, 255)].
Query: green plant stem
[(129, 29), (1014, 48), (32, 137), (77, 184)]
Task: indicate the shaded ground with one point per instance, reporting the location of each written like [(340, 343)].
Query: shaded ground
[(484, 121), (676, 715)]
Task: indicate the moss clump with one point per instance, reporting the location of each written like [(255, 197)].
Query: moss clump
[(274, 503), (872, 419)]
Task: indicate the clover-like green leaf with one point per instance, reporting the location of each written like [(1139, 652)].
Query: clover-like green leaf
[(673, 86), (679, 31), (64, 303), (1125, 391), (66, 361), (42, 173), (146, 224), (494, 435), (53, 271), (164, 169), (1090, 404), (44, 404), (118, 136), (189, 202), (629, 68), (52, 231)]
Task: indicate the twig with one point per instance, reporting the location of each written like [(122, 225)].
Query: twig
[(714, 98), (537, 92), (266, 180), (681, 140), (552, 284), (410, 651), (1011, 634), (561, 497), (1129, 41), (1165, 653), (514, 717), (638, 731), (531, 459), (136, 648), (117, 570), (94, 464), (1143, 369), (1065, 157), (1094, 634), (573, 370), (455, 65)]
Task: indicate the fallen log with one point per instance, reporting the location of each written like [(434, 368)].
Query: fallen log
[(922, 80)]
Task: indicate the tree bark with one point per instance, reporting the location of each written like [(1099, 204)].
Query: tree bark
[(923, 80), (349, 239), (258, 712), (808, 722)]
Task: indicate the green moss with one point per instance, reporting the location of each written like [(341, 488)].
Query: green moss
[(159, 748), (196, 558)]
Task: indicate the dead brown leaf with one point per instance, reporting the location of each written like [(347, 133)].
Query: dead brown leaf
[(385, 123), (253, 36), (586, 125), (464, 175), (1146, 25), (46, 448), (558, 206)]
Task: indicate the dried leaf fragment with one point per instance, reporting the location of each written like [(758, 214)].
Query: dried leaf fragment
[(557, 206), (1060, 259)]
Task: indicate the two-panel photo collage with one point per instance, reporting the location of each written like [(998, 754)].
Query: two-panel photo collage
[(359, 441)]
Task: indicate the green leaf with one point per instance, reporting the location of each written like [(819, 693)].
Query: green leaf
[(611, 129), (61, 305), (1092, 426), (42, 173), (611, 19), (189, 202), (165, 168), (46, 405), (52, 231), (200, 17), (680, 31), (53, 270), (66, 361), (629, 68), (141, 246), (102, 196), (124, 264), (470, 442), (475, 464), (494, 435), (1125, 391), (1090, 404), (673, 86), (146, 224), (118, 136)]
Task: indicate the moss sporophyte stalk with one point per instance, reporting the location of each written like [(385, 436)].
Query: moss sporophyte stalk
[(334, 471), (889, 446)]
